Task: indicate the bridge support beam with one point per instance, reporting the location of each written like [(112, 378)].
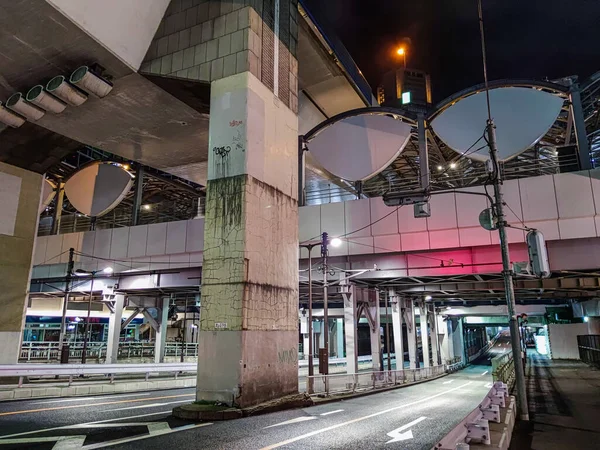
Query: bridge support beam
[(350, 323), (248, 338), (397, 329), (434, 336), (411, 332), (424, 333), (375, 325), (114, 330)]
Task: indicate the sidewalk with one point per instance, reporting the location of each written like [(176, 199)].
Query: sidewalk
[(564, 406)]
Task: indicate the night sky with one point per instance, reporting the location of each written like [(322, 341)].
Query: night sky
[(526, 38)]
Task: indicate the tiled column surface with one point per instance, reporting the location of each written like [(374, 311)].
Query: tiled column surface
[(206, 40), (248, 342), (19, 207)]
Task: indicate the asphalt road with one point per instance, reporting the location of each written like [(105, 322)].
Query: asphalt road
[(417, 416)]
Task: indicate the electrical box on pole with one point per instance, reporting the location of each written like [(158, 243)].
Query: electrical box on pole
[(538, 254)]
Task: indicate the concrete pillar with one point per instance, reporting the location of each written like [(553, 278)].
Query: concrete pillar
[(350, 332), (434, 336), (249, 326), (424, 333), (459, 340), (161, 331), (594, 325), (446, 336), (411, 332), (339, 333), (375, 325), (20, 192), (397, 328), (114, 330)]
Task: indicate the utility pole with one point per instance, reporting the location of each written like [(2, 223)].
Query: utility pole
[(63, 321), (387, 334), (324, 252), (501, 221)]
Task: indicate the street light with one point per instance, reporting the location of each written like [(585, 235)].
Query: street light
[(335, 242), (402, 52), (92, 273)]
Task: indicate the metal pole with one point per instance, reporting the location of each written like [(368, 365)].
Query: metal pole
[(137, 196), (87, 321), (58, 206), (508, 279), (506, 270), (310, 319), (63, 321), (301, 171), (184, 340), (387, 334), (324, 251)]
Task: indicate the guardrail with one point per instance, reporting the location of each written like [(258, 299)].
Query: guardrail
[(589, 348), (503, 369), (454, 364), (50, 351), (362, 381), (478, 427), (78, 370)]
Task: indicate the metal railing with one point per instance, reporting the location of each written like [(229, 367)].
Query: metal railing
[(475, 428), (503, 369), (50, 351), (589, 348), (39, 371), (362, 381), (165, 211), (454, 364)]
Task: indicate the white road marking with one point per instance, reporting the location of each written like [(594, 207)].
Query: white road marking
[(152, 405), (485, 373), (141, 438), (43, 430), (360, 419), (99, 397), (397, 435), (449, 382), (296, 420), (332, 412), (62, 442)]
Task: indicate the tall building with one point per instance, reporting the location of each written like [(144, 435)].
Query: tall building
[(405, 88)]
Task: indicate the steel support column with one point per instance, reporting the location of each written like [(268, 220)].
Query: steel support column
[(114, 330), (585, 162), (411, 332), (397, 329), (424, 333), (350, 323)]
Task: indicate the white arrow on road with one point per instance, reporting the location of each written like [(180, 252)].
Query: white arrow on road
[(397, 435)]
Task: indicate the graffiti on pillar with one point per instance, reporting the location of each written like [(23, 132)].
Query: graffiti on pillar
[(222, 151), (288, 356)]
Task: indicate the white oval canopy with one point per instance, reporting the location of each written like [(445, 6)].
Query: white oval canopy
[(358, 148), (522, 117), (98, 188), (48, 194)]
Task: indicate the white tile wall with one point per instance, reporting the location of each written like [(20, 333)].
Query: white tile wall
[(469, 206), (538, 198), (357, 215), (574, 195), (176, 237), (443, 212), (386, 226), (194, 236), (454, 223), (119, 243), (157, 239), (138, 238)]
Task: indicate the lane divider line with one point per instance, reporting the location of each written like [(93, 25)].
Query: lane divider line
[(141, 438), (82, 425), (98, 397), (57, 408), (332, 412), (360, 419)]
